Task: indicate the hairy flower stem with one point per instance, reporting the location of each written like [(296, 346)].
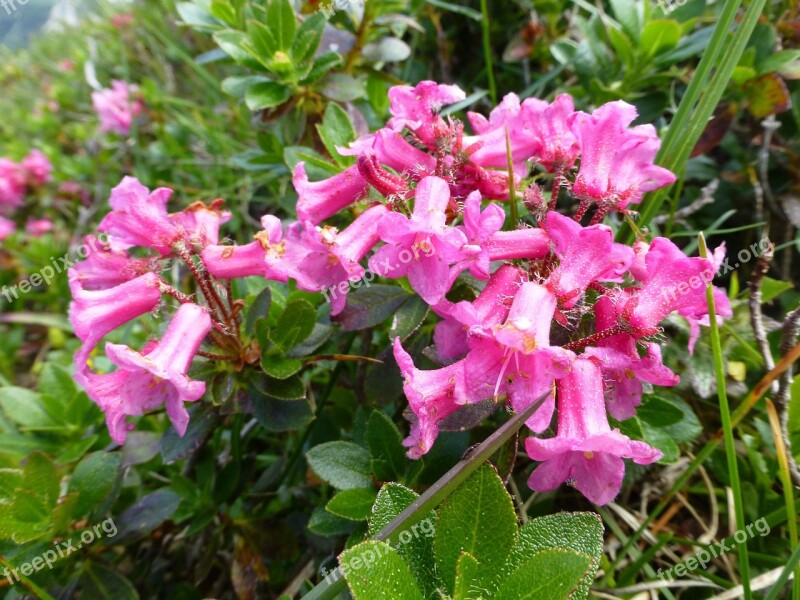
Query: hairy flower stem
[(594, 338)]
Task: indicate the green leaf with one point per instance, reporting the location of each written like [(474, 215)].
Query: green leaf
[(659, 36), (56, 381), (308, 38), (329, 525), (280, 366), (238, 86), (261, 43), (368, 307), (147, 514), (319, 335), (467, 578), (93, 480), (103, 583), (344, 465), (408, 318), (202, 418), (772, 288), (371, 565), (477, 518), (197, 18), (342, 87), (275, 414), (778, 61), (25, 408), (295, 325), (41, 478), (282, 23), (321, 66), (659, 412), (233, 44), (578, 532), (626, 13), (336, 130), (317, 166), (386, 447), (267, 94), (354, 504), (549, 575)]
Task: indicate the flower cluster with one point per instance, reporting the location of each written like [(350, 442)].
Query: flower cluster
[(112, 287), (422, 183), (16, 180), (117, 107)]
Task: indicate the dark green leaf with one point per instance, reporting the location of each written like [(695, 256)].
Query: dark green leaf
[(93, 480), (103, 583), (202, 418), (147, 514), (370, 565), (385, 444), (267, 94), (367, 307), (342, 464), (354, 504), (548, 575)]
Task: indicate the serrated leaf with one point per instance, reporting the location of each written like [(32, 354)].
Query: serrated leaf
[(355, 504), (93, 480), (548, 575), (578, 532), (477, 518), (368, 567), (319, 335), (344, 465), (280, 366)]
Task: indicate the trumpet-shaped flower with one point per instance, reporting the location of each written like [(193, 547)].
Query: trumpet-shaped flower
[(586, 452), (156, 377), (432, 396), (201, 223), (417, 108), (422, 247), (139, 217), (616, 161), (12, 184), (322, 199)]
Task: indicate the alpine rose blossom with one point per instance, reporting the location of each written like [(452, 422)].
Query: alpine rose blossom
[(117, 107)]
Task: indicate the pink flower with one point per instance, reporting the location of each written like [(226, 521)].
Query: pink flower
[(623, 369), (37, 168), (12, 184), (432, 396), (616, 161), (116, 108), (153, 378), (557, 145), (7, 227), (428, 271), (94, 313), (322, 199), (517, 357), (139, 217), (201, 223), (587, 254), (417, 108), (271, 256), (477, 318), (332, 257), (38, 227), (107, 265), (479, 227), (674, 282), (586, 453), (488, 148)]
